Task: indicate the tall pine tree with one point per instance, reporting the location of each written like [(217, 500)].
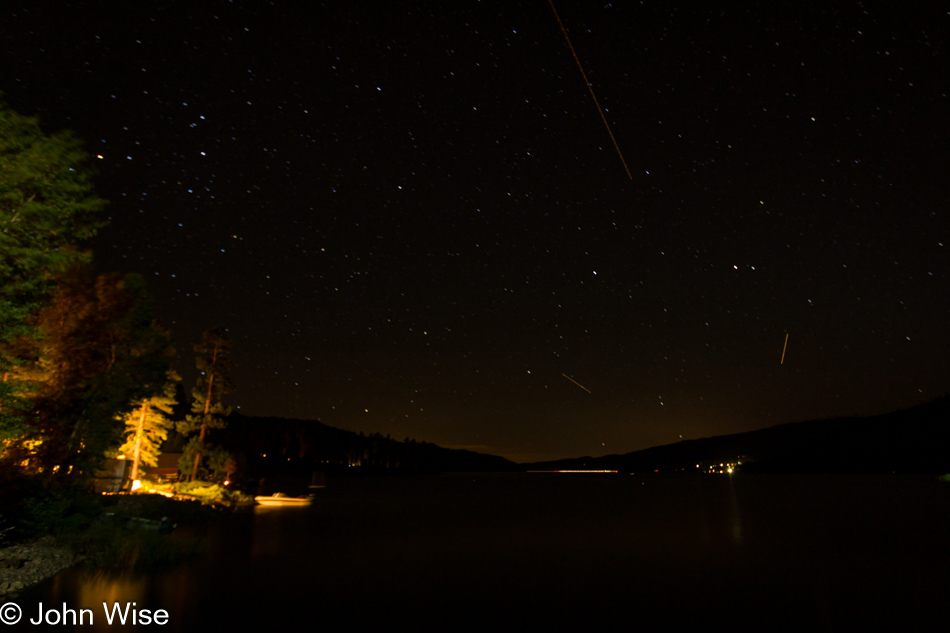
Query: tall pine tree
[(213, 359), (100, 352), (147, 426), (47, 208)]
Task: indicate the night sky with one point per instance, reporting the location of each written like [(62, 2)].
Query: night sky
[(413, 221)]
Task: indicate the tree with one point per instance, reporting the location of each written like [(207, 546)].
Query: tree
[(100, 351), (147, 426), (221, 463), (215, 462), (213, 359), (47, 207)]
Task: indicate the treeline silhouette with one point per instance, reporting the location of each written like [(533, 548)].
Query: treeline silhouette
[(913, 440), (288, 446)]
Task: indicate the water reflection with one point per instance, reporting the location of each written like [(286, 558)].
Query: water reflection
[(102, 588), (736, 519), (122, 596), (276, 529), (373, 553)]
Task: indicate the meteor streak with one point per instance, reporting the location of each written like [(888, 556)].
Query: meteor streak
[(783, 349), (596, 103), (576, 383)]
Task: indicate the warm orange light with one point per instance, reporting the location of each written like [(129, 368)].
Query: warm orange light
[(136, 485), (582, 471)]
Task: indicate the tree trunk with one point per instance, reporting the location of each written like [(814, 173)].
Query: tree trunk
[(204, 424), (201, 441), (136, 452)]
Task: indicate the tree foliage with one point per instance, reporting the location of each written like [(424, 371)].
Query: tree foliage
[(147, 426), (214, 462), (100, 351), (47, 208), (213, 360)]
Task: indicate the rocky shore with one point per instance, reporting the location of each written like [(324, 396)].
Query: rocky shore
[(28, 563), (130, 532)]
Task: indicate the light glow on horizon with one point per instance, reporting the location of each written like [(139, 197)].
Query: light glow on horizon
[(572, 471)]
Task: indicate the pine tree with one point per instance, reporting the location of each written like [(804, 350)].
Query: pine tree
[(147, 426), (221, 463), (47, 208), (100, 351), (213, 359)]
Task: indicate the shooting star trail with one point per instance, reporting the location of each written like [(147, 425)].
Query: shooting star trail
[(591, 88), (576, 383), (783, 349)]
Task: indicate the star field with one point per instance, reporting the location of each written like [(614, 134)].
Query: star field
[(412, 219)]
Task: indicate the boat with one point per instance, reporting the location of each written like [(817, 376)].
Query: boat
[(280, 499)]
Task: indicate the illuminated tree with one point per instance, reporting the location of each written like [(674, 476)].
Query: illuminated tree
[(47, 207), (100, 352), (213, 359), (147, 426)]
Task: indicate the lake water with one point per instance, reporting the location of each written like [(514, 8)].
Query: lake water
[(558, 552)]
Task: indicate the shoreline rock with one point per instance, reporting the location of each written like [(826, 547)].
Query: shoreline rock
[(26, 564)]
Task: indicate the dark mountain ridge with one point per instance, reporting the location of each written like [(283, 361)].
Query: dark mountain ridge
[(286, 445), (913, 440)]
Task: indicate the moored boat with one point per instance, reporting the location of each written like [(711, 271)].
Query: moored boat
[(280, 499)]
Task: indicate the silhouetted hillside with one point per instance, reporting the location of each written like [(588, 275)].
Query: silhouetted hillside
[(301, 446), (915, 440)]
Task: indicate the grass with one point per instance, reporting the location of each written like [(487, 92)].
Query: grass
[(120, 532), (113, 546), (205, 492), (115, 539), (114, 532)]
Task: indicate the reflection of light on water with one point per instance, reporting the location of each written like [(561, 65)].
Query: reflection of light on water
[(170, 592), (736, 519), (101, 588), (94, 589), (269, 537)]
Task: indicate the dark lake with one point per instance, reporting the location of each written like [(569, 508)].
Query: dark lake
[(561, 552)]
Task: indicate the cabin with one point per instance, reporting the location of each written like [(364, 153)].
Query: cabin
[(167, 469)]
